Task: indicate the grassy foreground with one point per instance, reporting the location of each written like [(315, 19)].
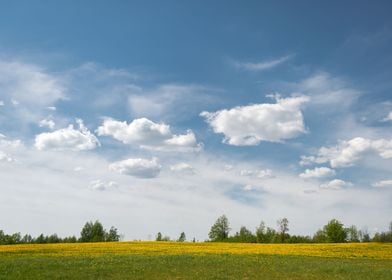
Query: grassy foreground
[(167, 260)]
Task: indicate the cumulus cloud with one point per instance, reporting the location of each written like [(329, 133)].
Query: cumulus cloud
[(346, 153), (149, 135), (249, 125), (262, 65), (137, 167), (182, 168), (383, 184), (318, 172), (69, 138), (336, 184), (102, 185), (47, 123)]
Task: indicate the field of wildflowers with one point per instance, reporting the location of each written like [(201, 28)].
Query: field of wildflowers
[(185, 260)]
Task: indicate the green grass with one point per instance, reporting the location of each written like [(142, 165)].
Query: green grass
[(210, 266)]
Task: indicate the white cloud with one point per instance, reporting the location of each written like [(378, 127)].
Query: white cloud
[(137, 167), (102, 185), (336, 184), (346, 153), (78, 168), (67, 139), (327, 90), (388, 117), (182, 168), (249, 188), (309, 160), (249, 125), (9, 144), (29, 88), (1, 103), (47, 123), (5, 157), (170, 101), (149, 135), (383, 184), (262, 174), (318, 172), (263, 65)]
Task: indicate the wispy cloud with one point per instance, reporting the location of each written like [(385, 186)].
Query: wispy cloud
[(262, 65)]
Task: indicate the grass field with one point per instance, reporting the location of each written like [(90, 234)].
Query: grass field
[(169, 260)]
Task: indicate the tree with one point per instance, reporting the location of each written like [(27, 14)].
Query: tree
[(220, 230), (283, 225), (92, 232), (112, 235), (261, 233), (182, 237), (245, 236), (335, 231), (320, 237), (159, 237), (352, 234)]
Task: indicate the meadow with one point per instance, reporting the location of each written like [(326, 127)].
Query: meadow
[(183, 260)]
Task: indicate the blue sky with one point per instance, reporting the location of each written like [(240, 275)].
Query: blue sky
[(161, 117)]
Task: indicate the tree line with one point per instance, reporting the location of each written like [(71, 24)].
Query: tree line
[(333, 232), (91, 232)]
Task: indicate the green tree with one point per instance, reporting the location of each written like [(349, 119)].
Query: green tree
[(159, 237), (92, 232), (352, 234), (283, 226), (220, 230), (246, 236), (182, 237), (261, 233), (112, 235), (335, 231), (320, 237)]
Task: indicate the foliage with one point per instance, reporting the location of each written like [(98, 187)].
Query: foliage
[(182, 237), (283, 225), (220, 230)]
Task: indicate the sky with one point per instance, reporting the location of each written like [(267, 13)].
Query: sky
[(161, 116)]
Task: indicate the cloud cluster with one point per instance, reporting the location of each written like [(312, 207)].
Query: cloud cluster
[(149, 135), (249, 125), (67, 139), (137, 167), (318, 172), (346, 153)]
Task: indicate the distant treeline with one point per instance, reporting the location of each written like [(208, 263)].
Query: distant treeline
[(333, 232), (91, 232)]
